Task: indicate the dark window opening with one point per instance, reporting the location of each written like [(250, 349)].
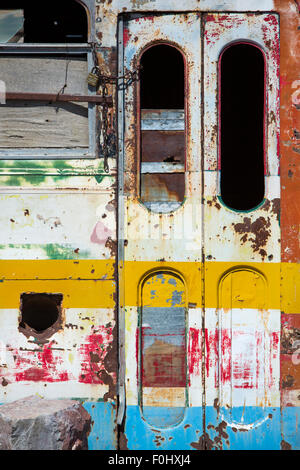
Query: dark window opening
[(162, 145), (31, 22), (241, 120), (40, 311), (162, 78)]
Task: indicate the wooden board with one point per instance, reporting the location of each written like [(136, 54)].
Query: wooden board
[(25, 124)]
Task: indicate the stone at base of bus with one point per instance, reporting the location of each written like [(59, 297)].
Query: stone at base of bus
[(34, 423)]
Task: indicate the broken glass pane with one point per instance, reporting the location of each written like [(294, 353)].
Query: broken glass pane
[(12, 26)]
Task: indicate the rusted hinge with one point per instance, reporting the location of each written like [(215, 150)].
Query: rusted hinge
[(100, 100)]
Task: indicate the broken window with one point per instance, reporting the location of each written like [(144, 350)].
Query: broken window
[(40, 314), (241, 124), (60, 22), (45, 53), (162, 131)]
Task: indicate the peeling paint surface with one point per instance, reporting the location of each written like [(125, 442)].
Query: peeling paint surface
[(202, 299)]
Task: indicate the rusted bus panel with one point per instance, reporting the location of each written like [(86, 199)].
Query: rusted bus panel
[(161, 187), (290, 217), (135, 40), (72, 237), (58, 218), (255, 236), (108, 11), (45, 225), (289, 118), (74, 362), (250, 236), (163, 146), (290, 360)]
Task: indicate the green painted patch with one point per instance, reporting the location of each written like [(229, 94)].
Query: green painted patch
[(53, 251)]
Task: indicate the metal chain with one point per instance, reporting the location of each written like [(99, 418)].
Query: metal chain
[(122, 82)]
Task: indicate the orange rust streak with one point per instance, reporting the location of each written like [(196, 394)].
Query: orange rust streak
[(289, 118)]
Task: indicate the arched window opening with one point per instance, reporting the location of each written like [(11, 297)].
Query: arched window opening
[(163, 350), (162, 137), (241, 123), (25, 22)]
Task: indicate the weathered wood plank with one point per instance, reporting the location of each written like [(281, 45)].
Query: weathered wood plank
[(34, 125), (44, 74)]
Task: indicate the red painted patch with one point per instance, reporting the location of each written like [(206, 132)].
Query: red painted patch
[(226, 356), (274, 347), (212, 354), (194, 357), (92, 354), (126, 36), (271, 20), (245, 365), (43, 365)]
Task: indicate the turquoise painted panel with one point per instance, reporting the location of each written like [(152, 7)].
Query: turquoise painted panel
[(102, 435), (264, 436), (142, 436)]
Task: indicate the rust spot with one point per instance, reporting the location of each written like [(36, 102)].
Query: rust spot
[(187, 426), (77, 250), (204, 443), (110, 364), (94, 357), (287, 381), (4, 382), (70, 325), (217, 405), (108, 380), (258, 228), (123, 441), (285, 445), (112, 245), (266, 206), (276, 208), (221, 430), (26, 212), (289, 336), (214, 202), (12, 220)]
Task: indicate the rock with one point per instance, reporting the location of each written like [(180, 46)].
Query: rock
[(35, 423)]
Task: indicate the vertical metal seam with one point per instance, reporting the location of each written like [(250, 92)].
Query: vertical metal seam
[(120, 233), (202, 167)]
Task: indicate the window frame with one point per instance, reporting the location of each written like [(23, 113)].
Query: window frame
[(69, 49), (230, 44), (161, 167)]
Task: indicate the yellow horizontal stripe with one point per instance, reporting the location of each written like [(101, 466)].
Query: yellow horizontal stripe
[(56, 269), (76, 294), (282, 282), (290, 288), (98, 290)]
